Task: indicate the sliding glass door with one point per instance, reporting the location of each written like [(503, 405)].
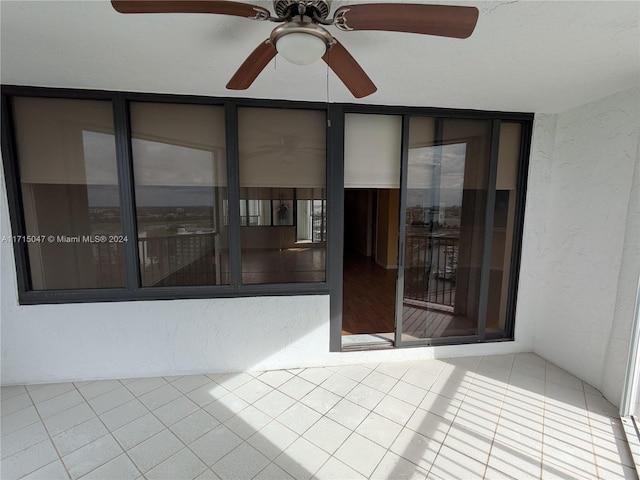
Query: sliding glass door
[(444, 214), (457, 224), (449, 241)]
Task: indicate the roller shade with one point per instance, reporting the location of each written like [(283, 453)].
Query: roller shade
[(508, 156), (178, 145), (282, 147), (75, 143), (372, 151)]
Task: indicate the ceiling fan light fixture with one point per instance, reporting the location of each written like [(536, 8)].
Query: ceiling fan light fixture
[(301, 43), (301, 48)]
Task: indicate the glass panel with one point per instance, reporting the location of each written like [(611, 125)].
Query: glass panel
[(503, 223), (180, 184), (446, 199), (68, 173), (372, 165), (311, 216), (282, 162)]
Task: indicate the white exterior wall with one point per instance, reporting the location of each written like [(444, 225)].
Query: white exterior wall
[(584, 238), (578, 276), (57, 343), (534, 229)]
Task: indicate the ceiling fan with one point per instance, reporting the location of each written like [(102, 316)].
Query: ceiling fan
[(302, 39)]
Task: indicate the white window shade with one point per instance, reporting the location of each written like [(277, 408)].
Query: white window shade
[(282, 147), (173, 165), (372, 151), (508, 156), (75, 143), (178, 145), (423, 154)]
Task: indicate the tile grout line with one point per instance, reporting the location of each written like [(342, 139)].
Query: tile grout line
[(544, 417), (34, 405), (343, 397), (591, 436), (244, 441), (385, 394), (493, 439), (456, 415), (109, 432), (167, 427), (55, 447)]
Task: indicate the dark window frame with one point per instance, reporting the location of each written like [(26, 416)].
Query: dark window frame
[(335, 113), (337, 116)]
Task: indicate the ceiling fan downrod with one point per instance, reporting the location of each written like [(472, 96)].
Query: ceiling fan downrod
[(318, 10)]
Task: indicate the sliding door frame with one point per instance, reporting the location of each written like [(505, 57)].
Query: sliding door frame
[(336, 164)]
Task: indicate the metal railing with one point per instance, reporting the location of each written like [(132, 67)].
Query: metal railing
[(179, 260), (108, 262), (431, 262)]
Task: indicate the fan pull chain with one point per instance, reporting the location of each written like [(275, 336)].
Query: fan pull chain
[(327, 65)]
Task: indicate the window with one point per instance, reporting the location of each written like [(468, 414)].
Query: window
[(179, 159), (447, 177), (70, 195), (311, 220), (280, 170), (121, 196)]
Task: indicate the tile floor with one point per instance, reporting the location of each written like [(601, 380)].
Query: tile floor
[(497, 417)]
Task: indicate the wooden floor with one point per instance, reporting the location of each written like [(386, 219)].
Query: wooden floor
[(369, 296), (422, 322)]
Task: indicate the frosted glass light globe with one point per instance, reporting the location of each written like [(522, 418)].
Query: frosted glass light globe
[(301, 48)]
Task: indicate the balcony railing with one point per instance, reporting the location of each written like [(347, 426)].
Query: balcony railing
[(108, 262), (431, 262), (179, 260)]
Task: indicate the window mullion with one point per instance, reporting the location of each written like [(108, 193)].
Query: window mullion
[(14, 195), (233, 192), (488, 230), (122, 133)]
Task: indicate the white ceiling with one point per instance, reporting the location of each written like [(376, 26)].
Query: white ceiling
[(528, 56)]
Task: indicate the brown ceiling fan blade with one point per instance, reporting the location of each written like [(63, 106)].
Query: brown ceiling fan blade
[(187, 6), (252, 66), (442, 20), (349, 71)]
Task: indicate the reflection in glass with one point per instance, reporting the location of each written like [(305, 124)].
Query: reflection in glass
[(282, 192), (444, 217), (180, 187), (503, 225), (69, 182)]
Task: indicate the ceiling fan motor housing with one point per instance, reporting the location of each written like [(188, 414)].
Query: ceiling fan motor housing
[(289, 8)]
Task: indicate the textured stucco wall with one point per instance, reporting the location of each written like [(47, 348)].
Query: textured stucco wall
[(535, 227), (579, 272), (626, 296), (585, 239), (57, 343)]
